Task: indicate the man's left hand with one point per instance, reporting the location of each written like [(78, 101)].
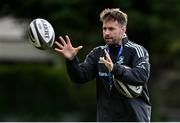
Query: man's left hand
[(107, 61)]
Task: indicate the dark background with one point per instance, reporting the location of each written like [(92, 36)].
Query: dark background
[(38, 89)]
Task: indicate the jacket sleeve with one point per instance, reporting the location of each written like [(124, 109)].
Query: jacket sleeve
[(138, 74), (82, 72)]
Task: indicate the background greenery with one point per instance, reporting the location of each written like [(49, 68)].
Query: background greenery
[(41, 92)]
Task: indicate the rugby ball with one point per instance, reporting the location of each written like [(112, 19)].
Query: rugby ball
[(129, 91), (41, 34)]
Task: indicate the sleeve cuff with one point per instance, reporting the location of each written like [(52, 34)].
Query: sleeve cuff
[(73, 61), (117, 69)]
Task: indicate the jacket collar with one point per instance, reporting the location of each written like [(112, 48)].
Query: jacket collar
[(125, 40)]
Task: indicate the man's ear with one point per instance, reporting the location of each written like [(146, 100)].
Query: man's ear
[(124, 29)]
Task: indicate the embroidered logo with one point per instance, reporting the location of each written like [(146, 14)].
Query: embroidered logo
[(121, 60)]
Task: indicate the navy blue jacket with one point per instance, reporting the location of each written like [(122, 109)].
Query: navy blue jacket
[(111, 104)]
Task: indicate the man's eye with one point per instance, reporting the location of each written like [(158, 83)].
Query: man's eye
[(111, 29)]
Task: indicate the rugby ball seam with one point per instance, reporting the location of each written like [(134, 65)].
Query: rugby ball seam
[(41, 34)]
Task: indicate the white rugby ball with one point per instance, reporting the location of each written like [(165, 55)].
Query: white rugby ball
[(41, 34), (129, 91)]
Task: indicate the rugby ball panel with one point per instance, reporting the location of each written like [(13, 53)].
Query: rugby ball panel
[(33, 35), (127, 90), (41, 33), (135, 89), (122, 89), (45, 30)]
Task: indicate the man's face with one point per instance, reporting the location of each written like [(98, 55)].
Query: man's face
[(113, 32)]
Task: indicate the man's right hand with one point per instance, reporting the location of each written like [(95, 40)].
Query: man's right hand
[(66, 48)]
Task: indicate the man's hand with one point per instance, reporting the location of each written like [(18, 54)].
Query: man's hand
[(66, 48), (107, 61)]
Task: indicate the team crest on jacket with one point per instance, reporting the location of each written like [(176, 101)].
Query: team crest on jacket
[(121, 60)]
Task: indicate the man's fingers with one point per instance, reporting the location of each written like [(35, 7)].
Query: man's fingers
[(59, 45), (80, 47), (101, 59), (68, 40), (62, 40), (104, 61), (107, 56), (58, 50)]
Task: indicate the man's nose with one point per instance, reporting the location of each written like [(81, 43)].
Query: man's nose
[(106, 32)]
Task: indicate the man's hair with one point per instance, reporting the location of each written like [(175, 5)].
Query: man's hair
[(114, 14)]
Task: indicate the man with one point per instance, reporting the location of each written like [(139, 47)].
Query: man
[(103, 62)]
